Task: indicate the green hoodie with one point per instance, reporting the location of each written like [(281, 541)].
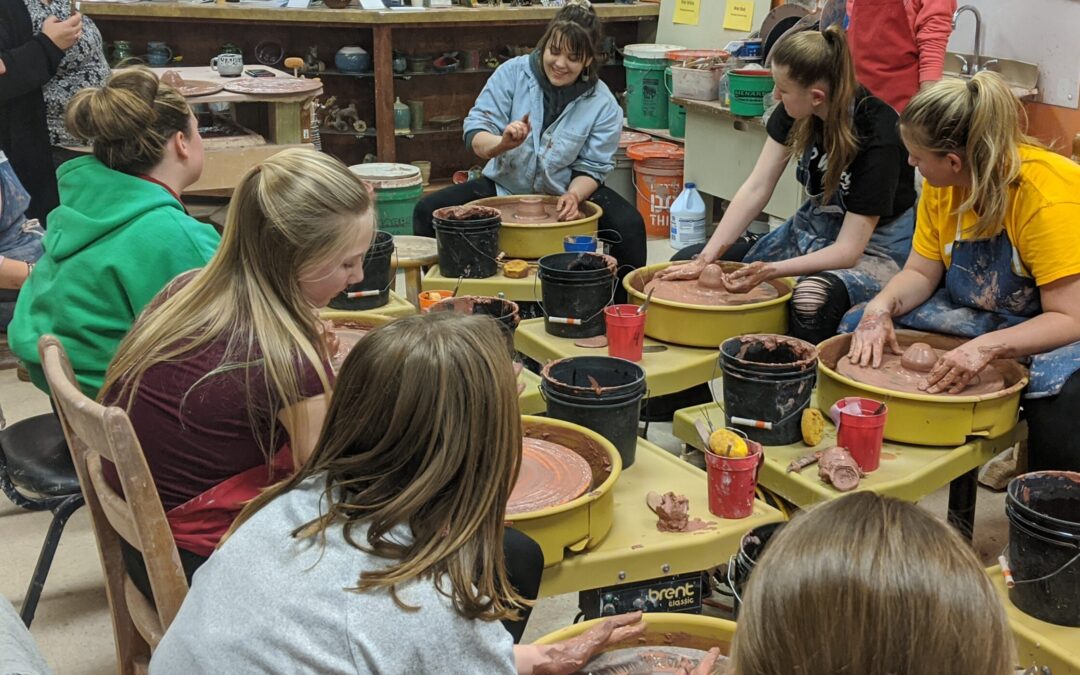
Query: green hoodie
[(113, 243)]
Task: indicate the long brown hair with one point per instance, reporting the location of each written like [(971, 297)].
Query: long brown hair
[(577, 29), (983, 122), (424, 431), (293, 212), (870, 584), (129, 120), (812, 58)]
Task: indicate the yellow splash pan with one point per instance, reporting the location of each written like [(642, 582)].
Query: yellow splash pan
[(664, 629), (397, 306), (364, 319), (926, 419), (583, 523), (707, 326), (531, 241)]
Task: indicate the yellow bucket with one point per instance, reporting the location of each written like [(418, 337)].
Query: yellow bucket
[(532, 241), (926, 419), (582, 523), (704, 326), (688, 630)]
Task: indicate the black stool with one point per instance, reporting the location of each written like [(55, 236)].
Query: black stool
[(36, 473)]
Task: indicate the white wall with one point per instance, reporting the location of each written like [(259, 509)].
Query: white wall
[(1043, 32), (709, 33)]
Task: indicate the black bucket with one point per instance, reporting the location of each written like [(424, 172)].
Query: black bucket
[(768, 378), (741, 564), (575, 288), (505, 311), (1044, 545), (467, 238), (377, 277), (610, 408)]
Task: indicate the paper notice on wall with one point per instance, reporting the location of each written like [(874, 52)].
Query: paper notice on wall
[(687, 12), (739, 15)]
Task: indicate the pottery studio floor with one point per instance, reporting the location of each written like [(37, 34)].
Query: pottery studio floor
[(72, 626)]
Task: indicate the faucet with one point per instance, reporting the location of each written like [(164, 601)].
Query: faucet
[(974, 67)]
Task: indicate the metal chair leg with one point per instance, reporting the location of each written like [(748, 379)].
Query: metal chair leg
[(48, 550)]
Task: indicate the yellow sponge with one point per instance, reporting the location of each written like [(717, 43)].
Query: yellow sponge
[(813, 426), (727, 443), (516, 269)]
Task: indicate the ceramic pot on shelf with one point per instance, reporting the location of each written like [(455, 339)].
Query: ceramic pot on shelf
[(352, 59)]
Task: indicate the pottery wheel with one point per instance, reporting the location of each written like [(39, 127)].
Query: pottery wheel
[(891, 375), (192, 88), (690, 292), (529, 211), (550, 475), (348, 333), (271, 86), (645, 660)]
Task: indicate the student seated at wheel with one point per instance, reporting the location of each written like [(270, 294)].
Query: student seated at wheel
[(120, 233), (226, 375), (854, 231), (996, 257), (871, 585), (548, 125), (383, 554)]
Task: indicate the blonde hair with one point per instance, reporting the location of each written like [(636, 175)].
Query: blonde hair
[(983, 122), (870, 584), (292, 213), (424, 431), (812, 57), (129, 120)]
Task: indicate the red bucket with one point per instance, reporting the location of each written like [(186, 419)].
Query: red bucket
[(625, 331), (733, 481), (861, 431)]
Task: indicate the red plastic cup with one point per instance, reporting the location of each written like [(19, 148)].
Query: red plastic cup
[(733, 482), (625, 331), (862, 432)]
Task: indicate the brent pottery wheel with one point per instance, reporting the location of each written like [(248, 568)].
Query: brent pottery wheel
[(581, 523), (530, 224), (707, 325), (350, 327), (926, 419)]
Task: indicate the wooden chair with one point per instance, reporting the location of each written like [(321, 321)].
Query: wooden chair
[(95, 432)]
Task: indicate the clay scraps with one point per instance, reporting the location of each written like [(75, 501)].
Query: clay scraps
[(673, 512), (836, 467)]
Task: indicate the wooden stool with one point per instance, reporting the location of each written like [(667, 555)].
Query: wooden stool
[(412, 253)]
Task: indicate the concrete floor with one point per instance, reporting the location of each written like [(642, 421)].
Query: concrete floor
[(73, 627)]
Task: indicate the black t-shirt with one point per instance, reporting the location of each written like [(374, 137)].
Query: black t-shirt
[(879, 181)]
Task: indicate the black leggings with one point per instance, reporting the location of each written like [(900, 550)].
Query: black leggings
[(818, 303), (621, 223), (1054, 429), (524, 567)]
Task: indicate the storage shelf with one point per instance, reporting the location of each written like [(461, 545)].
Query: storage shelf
[(405, 76), (370, 133)]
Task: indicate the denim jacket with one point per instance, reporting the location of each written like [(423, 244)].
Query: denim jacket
[(583, 139)]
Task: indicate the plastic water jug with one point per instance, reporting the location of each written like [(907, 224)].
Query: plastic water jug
[(687, 218)]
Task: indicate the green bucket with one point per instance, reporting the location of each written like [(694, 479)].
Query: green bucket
[(397, 189), (748, 93), (676, 113), (646, 94)]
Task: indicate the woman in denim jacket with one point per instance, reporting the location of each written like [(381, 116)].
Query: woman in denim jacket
[(547, 125)]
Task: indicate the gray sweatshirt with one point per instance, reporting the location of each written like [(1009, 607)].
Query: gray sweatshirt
[(268, 603)]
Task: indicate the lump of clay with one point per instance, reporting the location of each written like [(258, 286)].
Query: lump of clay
[(673, 513), (837, 467), (712, 277), (919, 357), (172, 78)]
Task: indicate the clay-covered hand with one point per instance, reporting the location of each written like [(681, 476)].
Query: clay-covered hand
[(747, 278), (704, 668), (569, 656), (873, 335), (64, 33), (956, 368), (515, 133), (568, 207), (688, 270)]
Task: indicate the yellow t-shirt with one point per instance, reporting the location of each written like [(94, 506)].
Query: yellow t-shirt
[(1042, 220)]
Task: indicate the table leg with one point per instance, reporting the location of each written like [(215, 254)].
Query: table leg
[(962, 492), (412, 285)]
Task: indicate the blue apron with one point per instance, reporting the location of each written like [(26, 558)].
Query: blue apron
[(815, 226), (986, 289)]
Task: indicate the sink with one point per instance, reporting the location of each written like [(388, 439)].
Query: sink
[(1023, 78)]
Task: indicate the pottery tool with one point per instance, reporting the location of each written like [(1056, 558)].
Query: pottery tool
[(747, 422), (648, 299), (296, 63), (569, 321), (728, 443), (1006, 572), (653, 349), (362, 294), (703, 430), (457, 286)]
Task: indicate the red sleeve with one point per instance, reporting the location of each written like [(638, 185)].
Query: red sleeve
[(932, 26)]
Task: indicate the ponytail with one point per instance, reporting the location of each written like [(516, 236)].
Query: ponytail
[(982, 121), (810, 58)]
